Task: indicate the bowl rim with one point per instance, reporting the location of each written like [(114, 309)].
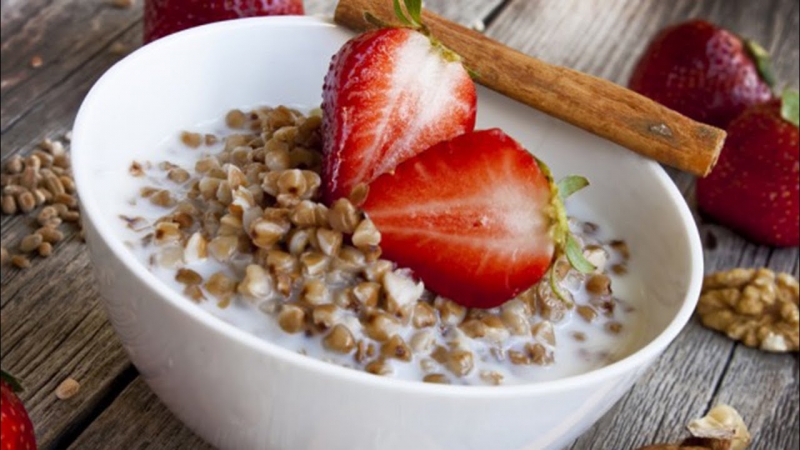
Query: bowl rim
[(639, 359)]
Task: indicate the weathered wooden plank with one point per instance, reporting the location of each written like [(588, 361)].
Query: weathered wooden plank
[(54, 327), (122, 425), (52, 115), (47, 335), (466, 12), (605, 39), (675, 389), (763, 388), (56, 32), (64, 34)]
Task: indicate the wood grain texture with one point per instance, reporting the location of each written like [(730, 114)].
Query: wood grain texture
[(121, 425), (53, 326), (64, 34), (466, 12), (701, 367)]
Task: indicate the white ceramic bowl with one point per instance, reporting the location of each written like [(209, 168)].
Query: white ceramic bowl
[(240, 392)]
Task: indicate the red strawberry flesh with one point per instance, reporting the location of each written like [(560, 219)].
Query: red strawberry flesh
[(701, 71), (164, 17), (755, 187), (470, 217), (389, 95)]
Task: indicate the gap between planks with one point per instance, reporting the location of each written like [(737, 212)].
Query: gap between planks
[(118, 384)]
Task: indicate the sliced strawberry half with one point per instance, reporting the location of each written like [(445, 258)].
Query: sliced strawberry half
[(477, 218), (389, 95)]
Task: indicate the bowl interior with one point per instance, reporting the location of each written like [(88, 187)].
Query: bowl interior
[(198, 75)]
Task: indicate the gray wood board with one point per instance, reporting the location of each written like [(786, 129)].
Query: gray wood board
[(701, 368), (52, 324), (53, 327)]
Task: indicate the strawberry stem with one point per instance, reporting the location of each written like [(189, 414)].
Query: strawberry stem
[(762, 60), (401, 15), (556, 289), (11, 381), (378, 23), (790, 106), (413, 20), (414, 17), (565, 243), (570, 185), (576, 258), (414, 8)]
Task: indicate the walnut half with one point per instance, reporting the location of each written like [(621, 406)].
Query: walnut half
[(754, 306), (721, 429)]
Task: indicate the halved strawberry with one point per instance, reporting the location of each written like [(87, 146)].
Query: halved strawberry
[(390, 94), (477, 218)]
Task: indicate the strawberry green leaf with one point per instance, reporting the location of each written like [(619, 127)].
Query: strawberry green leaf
[(376, 22), (556, 289), (789, 107), (762, 61), (570, 185), (414, 8), (576, 258), (401, 15), (11, 381)]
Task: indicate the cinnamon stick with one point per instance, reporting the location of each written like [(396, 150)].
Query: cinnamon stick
[(596, 105)]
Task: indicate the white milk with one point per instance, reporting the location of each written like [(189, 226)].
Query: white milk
[(571, 356)]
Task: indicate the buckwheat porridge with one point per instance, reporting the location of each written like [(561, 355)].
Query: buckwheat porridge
[(229, 215)]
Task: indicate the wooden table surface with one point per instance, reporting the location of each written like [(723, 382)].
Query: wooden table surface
[(53, 325)]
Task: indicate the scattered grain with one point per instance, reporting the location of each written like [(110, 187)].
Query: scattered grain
[(26, 202), (122, 4), (9, 205), (67, 389), (119, 48), (586, 312), (436, 378), (599, 284), (396, 348), (50, 235), (235, 119), (291, 319), (339, 340), (20, 261), (378, 367), (191, 140), (30, 243)]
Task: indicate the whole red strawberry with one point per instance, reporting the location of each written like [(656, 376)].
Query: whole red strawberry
[(390, 94), (754, 188), (16, 429), (704, 72), (477, 218), (164, 17)]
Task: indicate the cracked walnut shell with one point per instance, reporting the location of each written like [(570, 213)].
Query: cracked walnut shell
[(755, 306), (721, 429)]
